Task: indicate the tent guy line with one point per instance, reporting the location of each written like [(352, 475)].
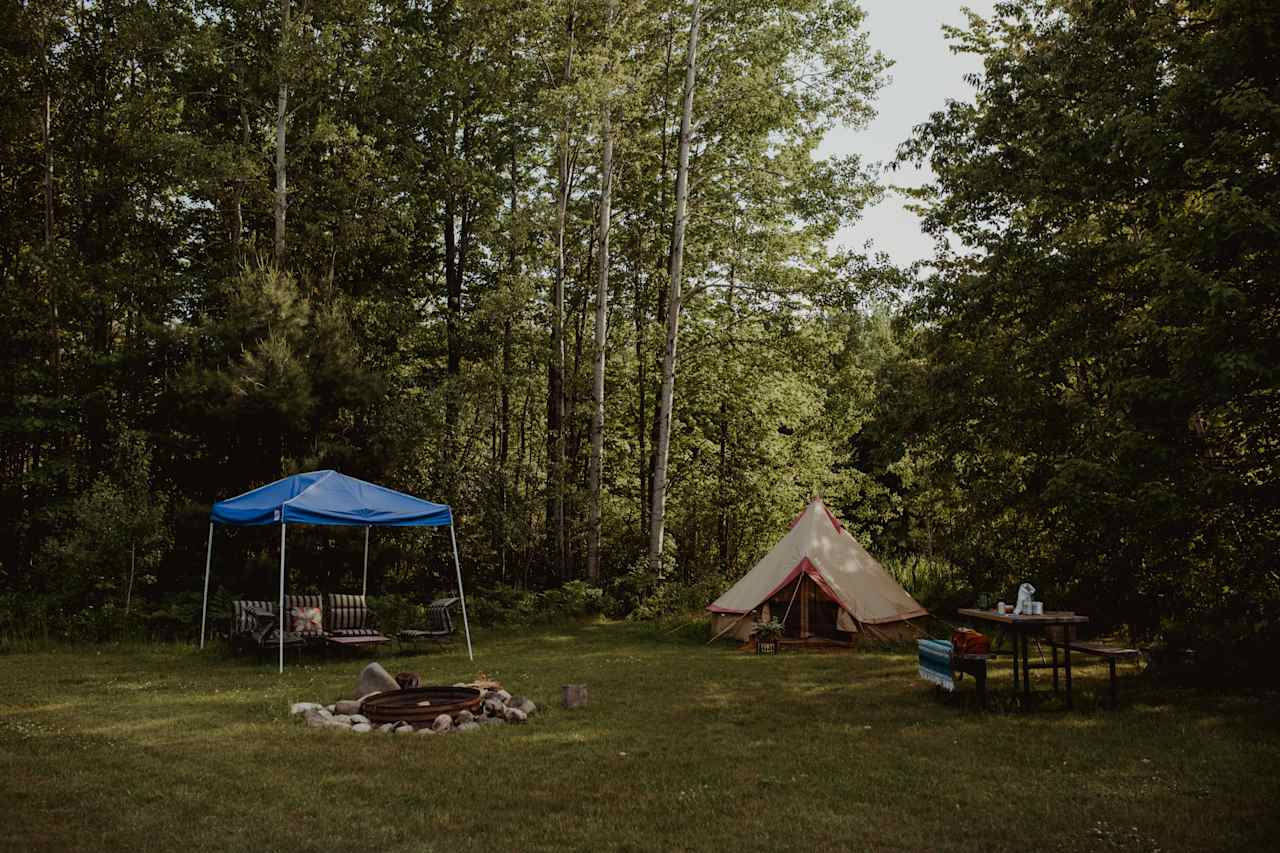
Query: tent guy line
[(327, 497)]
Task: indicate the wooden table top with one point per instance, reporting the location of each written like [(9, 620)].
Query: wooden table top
[(1064, 617)]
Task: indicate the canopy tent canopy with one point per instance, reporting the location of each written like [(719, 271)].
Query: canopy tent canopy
[(819, 558), (328, 497)]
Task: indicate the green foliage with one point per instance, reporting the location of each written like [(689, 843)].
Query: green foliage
[(508, 605), (394, 613), (768, 631), (1098, 396)]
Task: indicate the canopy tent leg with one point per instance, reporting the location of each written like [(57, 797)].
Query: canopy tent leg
[(282, 527), (204, 605), (461, 596), (364, 582)]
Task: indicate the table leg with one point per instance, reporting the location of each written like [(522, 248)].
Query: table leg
[(1026, 667), (1114, 701), (1015, 660), (1066, 655), (1054, 651)]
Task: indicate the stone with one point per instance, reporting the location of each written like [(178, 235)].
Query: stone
[(334, 724), (362, 727), (493, 706), (468, 727), (406, 729), (316, 721), (342, 718), (387, 727), (426, 731), (375, 679), (302, 707), (523, 704), (442, 723), (347, 707), (357, 719), (329, 708), (503, 696), (515, 715), (490, 721), (464, 716)]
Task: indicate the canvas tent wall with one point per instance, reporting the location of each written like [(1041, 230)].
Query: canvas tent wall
[(819, 567), (328, 498)]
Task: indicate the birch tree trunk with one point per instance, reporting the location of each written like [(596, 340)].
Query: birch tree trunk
[(601, 337), (555, 372), (657, 518), (237, 200), (282, 118)]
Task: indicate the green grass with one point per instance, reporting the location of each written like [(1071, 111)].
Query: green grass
[(682, 747)]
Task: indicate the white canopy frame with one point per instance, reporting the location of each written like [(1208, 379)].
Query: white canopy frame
[(364, 583)]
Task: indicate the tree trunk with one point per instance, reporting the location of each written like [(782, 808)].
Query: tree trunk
[(555, 371), (46, 134), (666, 397), (128, 593), (648, 462), (642, 457), (504, 435), (601, 337), (722, 525), (237, 199), (282, 117)]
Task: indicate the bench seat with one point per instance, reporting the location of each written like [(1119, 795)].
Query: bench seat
[(939, 665), (1061, 639)]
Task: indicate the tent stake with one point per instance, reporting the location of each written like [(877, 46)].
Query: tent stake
[(364, 582), (461, 595), (204, 605), (282, 527)]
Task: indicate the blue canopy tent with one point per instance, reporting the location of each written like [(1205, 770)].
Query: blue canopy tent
[(327, 497)]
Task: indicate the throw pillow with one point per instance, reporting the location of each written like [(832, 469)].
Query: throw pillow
[(306, 620)]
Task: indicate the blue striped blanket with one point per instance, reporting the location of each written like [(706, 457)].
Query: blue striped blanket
[(935, 663)]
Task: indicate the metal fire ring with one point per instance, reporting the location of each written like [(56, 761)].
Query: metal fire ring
[(419, 706)]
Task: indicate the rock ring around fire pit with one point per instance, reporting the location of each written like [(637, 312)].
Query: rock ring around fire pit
[(420, 706)]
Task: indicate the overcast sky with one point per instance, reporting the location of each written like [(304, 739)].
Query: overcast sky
[(924, 75)]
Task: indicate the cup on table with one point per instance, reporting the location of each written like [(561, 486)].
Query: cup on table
[(1002, 608), (1037, 608)]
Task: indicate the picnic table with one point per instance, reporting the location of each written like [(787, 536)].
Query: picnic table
[(1021, 627)]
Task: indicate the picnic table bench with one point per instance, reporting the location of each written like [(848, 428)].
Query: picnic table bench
[(939, 664), (1063, 638)]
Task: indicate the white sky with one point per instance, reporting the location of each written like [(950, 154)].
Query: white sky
[(924, 76)]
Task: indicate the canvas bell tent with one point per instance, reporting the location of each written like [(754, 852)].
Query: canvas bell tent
[(330, 498), (822, 585)]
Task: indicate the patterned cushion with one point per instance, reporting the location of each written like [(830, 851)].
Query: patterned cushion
[(305, 620), (294, 601)]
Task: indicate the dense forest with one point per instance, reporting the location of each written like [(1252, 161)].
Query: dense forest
[(569, 267)]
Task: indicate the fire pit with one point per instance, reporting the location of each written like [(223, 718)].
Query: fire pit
[(419, 706)]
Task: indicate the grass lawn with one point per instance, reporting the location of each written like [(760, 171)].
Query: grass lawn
[(682, 747)]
